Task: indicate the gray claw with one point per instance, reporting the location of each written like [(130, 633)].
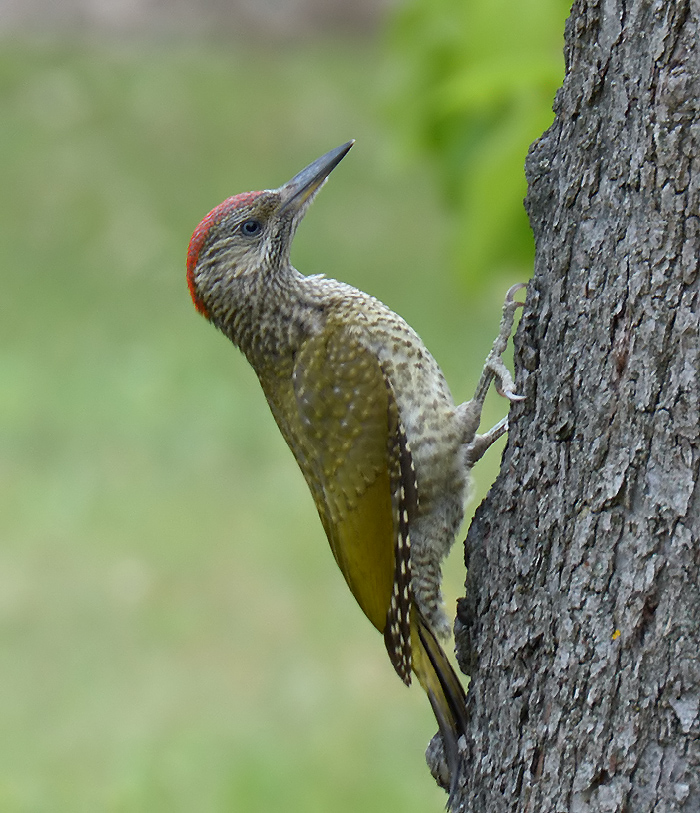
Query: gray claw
[(511, 395), (510, 293)]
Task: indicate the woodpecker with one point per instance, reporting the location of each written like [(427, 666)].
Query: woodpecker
[(368, 415)]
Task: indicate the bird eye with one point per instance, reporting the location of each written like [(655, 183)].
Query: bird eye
[(251, 227)]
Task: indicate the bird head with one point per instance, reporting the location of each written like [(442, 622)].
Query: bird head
[(249, 235)]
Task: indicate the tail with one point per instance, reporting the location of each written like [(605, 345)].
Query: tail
[(445, 692)]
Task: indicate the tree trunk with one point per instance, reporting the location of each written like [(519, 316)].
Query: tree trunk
[(581, 622)]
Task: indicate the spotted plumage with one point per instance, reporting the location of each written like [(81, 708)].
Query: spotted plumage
[(404, 496), (367, 414)]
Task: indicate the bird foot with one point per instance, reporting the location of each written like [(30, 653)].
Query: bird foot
[(477, 448), (494, 370)]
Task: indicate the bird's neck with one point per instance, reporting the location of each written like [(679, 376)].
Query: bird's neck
[(279, 310)]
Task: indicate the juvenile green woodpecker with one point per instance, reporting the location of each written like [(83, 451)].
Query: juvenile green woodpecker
[(367, 414)]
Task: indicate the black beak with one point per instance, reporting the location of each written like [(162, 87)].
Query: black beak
[(299, 192)]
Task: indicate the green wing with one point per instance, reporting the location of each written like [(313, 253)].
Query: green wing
[(339, 417)]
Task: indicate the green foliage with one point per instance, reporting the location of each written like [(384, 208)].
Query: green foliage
[(475, 88)]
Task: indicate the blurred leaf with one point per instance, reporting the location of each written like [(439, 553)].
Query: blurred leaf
[(491, 82), (472, 88)]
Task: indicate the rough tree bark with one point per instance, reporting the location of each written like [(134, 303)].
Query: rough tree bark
[(581, 622)]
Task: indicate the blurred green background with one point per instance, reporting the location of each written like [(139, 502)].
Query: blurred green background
[(174, 634)]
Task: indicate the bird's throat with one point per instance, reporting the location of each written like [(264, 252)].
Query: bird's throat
[(279, 314)]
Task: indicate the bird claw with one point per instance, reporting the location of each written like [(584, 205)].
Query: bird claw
[(510, 293), (504, 385), (510, 395)]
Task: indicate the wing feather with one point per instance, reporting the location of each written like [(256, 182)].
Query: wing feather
[(341, 420)]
